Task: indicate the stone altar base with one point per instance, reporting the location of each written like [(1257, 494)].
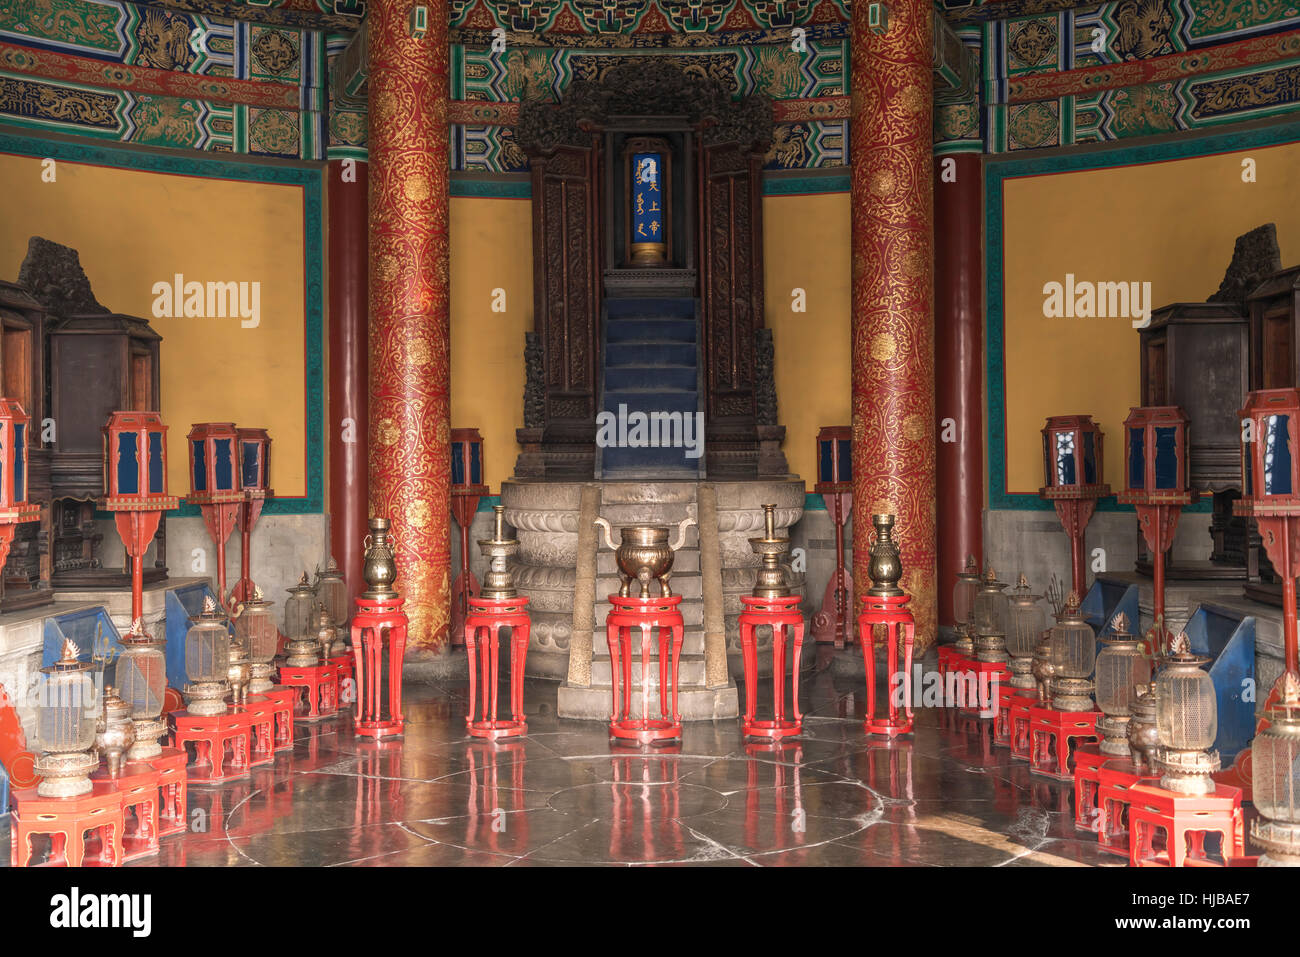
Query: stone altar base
[(550, 571)]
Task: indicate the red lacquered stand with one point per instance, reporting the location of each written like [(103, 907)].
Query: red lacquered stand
[(261, 724), (900, 630), (1087, 785), (281, 701), (1185, 819), (1053, 738), (173, 792), (1019, 716), (1002, 722), (984, 674), (211, 736), (320, 683), (1116, 779), (138, 785), (375, 622), (947, 655), (346, 666), (67, 821), (645, 614), (483, 624), (786, 621)]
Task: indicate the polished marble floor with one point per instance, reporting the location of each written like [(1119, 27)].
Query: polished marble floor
[(561, 796)]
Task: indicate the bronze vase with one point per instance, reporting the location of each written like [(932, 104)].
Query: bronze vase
[(378, 568)]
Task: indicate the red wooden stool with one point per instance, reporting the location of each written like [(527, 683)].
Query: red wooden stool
[(67, 821), (212, 736), (891, 613), (1116, 779), (138, 783), (1053, 736), (645, 614), (786, 621), (483, 624), (1002, 723), (1019, 717), (1185, 819), (318, 691), (281, 701), (977, 694), (1087, 786), (173, 793), (946, 654), (376, 621), (261, 723)]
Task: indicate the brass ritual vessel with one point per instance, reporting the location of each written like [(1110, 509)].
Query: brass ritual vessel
[(1043, 669), (1143, 738), (885, 566), (378, 567), (114, 732), (239, 672), (645, 554), (771, 581), (498, 550)]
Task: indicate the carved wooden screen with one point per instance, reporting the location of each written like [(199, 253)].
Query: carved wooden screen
[(566, 288), (731, 288)]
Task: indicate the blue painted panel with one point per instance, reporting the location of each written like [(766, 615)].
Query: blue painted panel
[(1230, 641), (157, 480), (4, 792), (128, 466), (20, 463), (183, 605), (1105, 600), (83, 627), (199, 479)]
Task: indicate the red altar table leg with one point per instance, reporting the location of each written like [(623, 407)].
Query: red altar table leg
[(1116, 779), (137, 783), (280, 702), (67, 821), (900, 630), (317, 687), (173, 792), (782, 615), (646, 615), (211, 736), (483, 624), (261, 720), (1059, 731), (1087, 783), (375, 621), (1185, 819)]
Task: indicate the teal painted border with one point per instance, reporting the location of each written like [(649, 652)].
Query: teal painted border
[(772, 186), (804, 185), (490, 189), (996, 172), (187, 164)]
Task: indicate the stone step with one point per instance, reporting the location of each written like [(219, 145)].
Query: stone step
[(693, 704), (690, 671)]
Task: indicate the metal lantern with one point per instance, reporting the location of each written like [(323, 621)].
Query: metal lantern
[(255, 630), (963, 592), (1073, 652), (1187, 721), (214, 463), (141, 682), (66, 713), (135, 462), (1155, 447), (298, 608), (991, 615), (304, 650), (1275, 782), (207, 661), (332, 592), (1028, 621), (1121, 668)]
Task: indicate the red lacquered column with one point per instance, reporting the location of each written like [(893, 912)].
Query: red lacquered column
[(958, 362), (892, 307), (409, 428), (347, 367)]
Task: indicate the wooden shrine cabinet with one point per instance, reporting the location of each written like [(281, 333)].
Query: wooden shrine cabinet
[(1273, 335), (99, 364), (25, 581), (1195, 355)]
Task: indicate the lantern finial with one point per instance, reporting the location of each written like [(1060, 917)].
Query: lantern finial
[(69, 652), (1119, 624), (1288, 688), (1023, 582), (257, 593), (304, 580), (137, 627), (990, 575), (209, 605), (1072, 602), (971, 564), (1180, 645)]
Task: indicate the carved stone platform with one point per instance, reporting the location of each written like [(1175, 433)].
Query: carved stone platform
[(546, 517)]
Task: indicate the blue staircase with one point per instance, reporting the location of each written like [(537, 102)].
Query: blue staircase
[(649, 367)]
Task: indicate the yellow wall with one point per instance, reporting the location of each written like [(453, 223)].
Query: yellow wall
[(491, 248), (806, 245), (1172, 224), (133, 229)]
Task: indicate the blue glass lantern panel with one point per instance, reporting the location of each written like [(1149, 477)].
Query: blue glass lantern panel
[(1247, 468), (845, 455), (20, 462), (1047, 461), (1166, 457), (1137, 465), (157, 480), (199, 480), (128, 466), (457, 463), (1065, 469), (223, 464), (1277, 455), (1089, 458), (825, 468), (475, 463), (248, 464)]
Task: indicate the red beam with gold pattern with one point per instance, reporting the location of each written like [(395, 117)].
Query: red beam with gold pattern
[(410, 455), (892, 295)]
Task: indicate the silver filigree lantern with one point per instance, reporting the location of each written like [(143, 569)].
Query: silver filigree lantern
[(66, 714), (207, 661), (255, 629), (1187, 720), (1028, 621), (498, 550), (332, 592), (992, 614), (1073, 650), (304, 650), (1275, 780), (1121, 668), (298, 608), (141, 681), (963, 593)]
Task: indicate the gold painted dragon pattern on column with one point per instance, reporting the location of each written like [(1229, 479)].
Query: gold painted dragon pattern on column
[(892, 297), (410, 455)]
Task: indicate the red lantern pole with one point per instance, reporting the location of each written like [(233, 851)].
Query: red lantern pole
[(466, 446), (254, 478), (832, 622)]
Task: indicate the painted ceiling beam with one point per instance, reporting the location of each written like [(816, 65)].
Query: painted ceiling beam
[(339, 16)]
